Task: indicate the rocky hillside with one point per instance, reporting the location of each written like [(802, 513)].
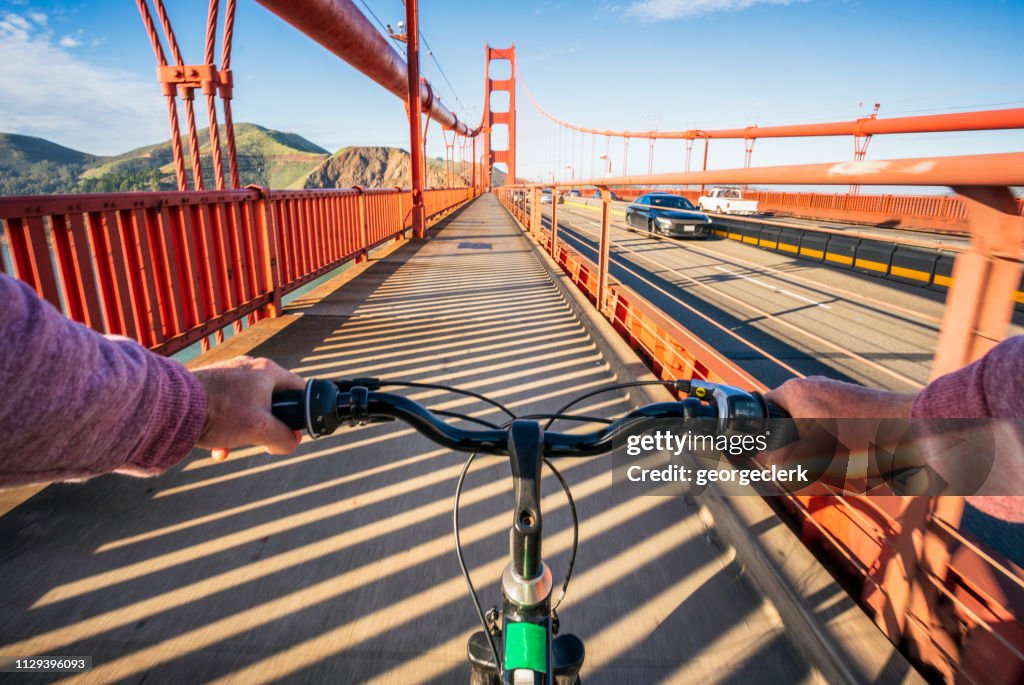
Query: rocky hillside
[(371, 167)]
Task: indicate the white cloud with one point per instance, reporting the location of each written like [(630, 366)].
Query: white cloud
[(660, 10), (47, 91), (69, 42), (17, 23)]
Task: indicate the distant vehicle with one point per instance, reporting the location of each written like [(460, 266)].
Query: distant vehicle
[(575, 193), (668, 214), (615, 198), (726, 201), (546, 197)]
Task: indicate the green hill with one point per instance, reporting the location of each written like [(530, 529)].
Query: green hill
[(30, 166), (34, 166), (265, 157)]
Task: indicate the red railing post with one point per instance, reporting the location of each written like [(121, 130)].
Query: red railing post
[(364, 234), (267, 232), (554, 223), (400, 201), (604, 247), (535, 210)]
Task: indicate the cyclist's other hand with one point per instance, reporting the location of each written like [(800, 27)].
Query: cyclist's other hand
[(825, 446), (817, 397), (238, 413)]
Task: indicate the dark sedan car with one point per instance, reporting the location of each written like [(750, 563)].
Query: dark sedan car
[(668, 214)]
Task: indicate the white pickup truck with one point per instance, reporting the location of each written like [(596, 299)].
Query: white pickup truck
[(726, 201)]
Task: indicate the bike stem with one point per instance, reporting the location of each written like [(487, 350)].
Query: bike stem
[(527, 582), (526, 449)]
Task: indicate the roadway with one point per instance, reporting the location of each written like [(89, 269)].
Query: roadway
[(775, 315)]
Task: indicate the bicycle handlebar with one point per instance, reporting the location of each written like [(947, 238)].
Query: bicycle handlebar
[(324, 405)]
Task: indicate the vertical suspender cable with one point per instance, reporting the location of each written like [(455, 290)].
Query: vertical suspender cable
[(169, 93), (210, 90), (226, 92)]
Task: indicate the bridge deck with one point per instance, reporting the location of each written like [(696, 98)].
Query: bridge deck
[(337, 563)]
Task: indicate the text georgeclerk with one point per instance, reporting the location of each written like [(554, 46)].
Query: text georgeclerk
[(679, 474)]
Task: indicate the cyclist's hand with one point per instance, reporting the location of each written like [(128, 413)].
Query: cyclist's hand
[(817, 397), (833, 449), (238, 395)]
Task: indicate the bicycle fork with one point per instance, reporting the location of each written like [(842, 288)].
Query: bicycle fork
[(531, 652)]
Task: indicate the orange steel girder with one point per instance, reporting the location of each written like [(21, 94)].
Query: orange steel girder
[(341, 27), (492, 118)]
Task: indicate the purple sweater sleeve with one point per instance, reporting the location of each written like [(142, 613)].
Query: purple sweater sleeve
[(76, 404), (990, 388)]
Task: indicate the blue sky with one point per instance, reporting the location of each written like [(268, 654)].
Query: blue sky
[(82, 73)]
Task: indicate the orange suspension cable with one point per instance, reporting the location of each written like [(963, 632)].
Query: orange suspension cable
[(986, 120)]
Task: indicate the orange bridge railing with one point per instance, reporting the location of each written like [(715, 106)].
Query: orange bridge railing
[(170, 269)]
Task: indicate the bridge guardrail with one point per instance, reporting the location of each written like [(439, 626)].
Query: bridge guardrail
[(940, 213), (169, 269)]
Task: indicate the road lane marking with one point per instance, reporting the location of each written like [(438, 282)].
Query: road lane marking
[(773, 288)]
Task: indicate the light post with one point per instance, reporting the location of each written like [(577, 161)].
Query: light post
[(608, 173)]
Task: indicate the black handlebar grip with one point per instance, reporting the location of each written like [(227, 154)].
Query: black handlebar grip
[(782, 427), (288, 406), (774, 411)]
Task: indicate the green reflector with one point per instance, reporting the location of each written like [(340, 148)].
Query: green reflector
[(526, 646)]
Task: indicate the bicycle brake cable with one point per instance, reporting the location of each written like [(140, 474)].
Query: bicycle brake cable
[(575, 533), (462, 560), (460, 391), (604, 389), (462, 564), (567, 417)]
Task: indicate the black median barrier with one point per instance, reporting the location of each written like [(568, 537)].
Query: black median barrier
[(751, 233), (841, 250), (789, 240), (873, 257), (813, 245), (942, 277), (769, 237), (735, 229), (913, 265)]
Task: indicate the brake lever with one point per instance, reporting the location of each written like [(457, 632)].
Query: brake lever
[(743, 412)]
